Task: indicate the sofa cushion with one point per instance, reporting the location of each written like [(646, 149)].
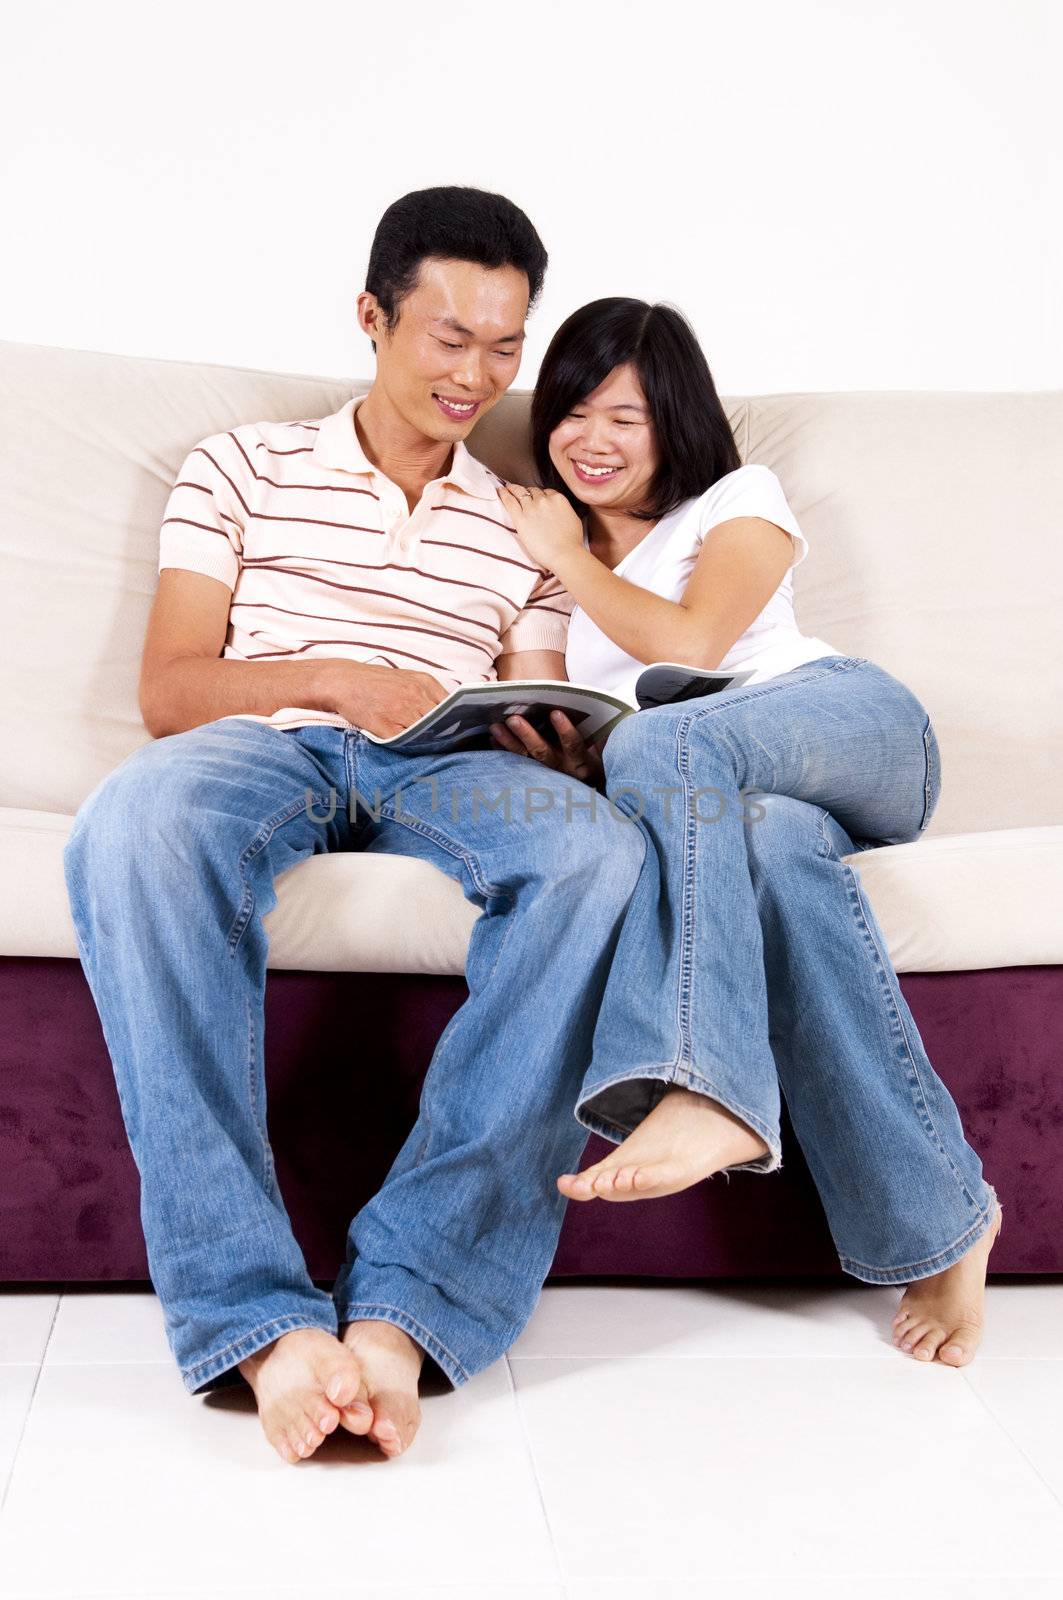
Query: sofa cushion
[(945, 905)]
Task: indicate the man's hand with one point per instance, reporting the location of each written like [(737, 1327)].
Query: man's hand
[(574, 756), (382, 700), (546, 524)]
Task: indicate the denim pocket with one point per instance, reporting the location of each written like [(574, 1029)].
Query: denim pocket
[(932, 788)]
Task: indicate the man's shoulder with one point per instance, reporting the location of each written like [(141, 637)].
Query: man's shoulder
[(245, 444), (491, 482)]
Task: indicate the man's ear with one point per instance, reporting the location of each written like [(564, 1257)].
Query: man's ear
[(370, 316)]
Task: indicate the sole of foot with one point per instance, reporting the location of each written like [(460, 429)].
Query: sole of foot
[(685, 1138), (390, 1363), (302, 1383), (941, 1318)]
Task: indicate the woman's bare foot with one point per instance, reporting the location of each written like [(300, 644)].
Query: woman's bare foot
[(942, 1316), (390, 1363), (295, 1380), (686, 1137)]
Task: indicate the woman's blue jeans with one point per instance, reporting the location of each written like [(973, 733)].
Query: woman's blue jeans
[(170, 870), (750, 961)]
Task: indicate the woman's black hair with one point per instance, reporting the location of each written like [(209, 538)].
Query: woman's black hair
[(454, 223), (694, 439)]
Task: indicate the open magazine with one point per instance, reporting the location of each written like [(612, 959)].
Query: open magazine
[(463, 720)]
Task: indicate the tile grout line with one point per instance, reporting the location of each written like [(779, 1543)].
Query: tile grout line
[(29, 1407), (530, 1453), (984, 1403)]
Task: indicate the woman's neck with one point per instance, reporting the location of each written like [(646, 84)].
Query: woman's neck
[(614, 534)]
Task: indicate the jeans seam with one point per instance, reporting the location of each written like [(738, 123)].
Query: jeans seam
[(928, 807), (686, 926), (856, 898), (256, 846), (489, 891), (683, 1020), (269, 1171)]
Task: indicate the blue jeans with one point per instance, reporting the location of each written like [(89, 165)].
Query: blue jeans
[(170, 869), (750, 962)]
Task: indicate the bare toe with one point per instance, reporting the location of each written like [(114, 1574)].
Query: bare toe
[(575, 1186), (605, 1181), (926, 1347), (357, 1418), (959, 1347), (396, 1421), (391, 1362), (290, 1378)]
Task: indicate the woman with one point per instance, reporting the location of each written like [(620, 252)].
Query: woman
[(749, 960)]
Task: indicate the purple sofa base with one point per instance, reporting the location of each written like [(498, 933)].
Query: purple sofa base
[(345, 1057)]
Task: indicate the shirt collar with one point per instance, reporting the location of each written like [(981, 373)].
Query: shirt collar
[(338, 445)]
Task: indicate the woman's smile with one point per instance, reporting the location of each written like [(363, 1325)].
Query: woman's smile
[(588, 474)]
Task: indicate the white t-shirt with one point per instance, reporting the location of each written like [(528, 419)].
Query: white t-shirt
[(663, 562)]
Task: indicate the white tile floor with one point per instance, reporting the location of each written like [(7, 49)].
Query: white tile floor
[(641, 1443)]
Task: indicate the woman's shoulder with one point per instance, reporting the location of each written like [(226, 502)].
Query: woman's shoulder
[(750, 490), (752, 475)]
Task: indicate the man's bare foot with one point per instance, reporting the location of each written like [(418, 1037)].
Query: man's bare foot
[(390, 1363), (942, 1316), (295, 1380), (686, 1137)]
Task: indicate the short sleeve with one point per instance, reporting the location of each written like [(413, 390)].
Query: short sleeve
[(543, 623), (752, 491), (203, 524)]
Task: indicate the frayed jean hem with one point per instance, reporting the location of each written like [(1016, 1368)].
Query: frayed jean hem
[(932, 1265), (398, 1318), (219, 1371)]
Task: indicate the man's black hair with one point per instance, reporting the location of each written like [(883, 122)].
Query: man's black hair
[(453, 223), (694, 438)]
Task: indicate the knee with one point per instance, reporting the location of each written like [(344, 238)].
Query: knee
[(642, 749), (596, 846), (141, 801), (780, 831), (665, 744)]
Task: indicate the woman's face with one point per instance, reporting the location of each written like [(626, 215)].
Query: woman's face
[(606, 448)]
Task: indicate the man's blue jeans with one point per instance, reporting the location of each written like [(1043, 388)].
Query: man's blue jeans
[(170, 869), (750, 961)]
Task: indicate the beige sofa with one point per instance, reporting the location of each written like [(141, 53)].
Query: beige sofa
[(935, 523)]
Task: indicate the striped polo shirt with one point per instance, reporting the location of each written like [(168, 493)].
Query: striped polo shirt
[(324, 558)]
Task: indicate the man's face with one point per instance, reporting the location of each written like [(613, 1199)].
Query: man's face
[(455, 347)]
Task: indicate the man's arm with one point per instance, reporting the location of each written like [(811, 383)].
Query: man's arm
[(185, 682)]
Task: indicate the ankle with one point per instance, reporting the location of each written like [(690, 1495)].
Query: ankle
[(384, 1335)]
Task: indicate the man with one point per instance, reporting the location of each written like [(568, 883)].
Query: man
[(319, 580)]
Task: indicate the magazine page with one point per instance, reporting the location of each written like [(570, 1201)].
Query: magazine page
[(666, 682), (463, 720)]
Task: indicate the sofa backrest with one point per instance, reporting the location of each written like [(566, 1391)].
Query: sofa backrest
[(935, 525)]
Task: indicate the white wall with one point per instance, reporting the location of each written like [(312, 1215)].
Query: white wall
[(840, 194)]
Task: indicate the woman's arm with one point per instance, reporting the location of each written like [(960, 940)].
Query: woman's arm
[(532, 664), (734, 577)]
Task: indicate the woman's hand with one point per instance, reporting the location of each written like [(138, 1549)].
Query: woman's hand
[(546, 524), (574, 756)]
